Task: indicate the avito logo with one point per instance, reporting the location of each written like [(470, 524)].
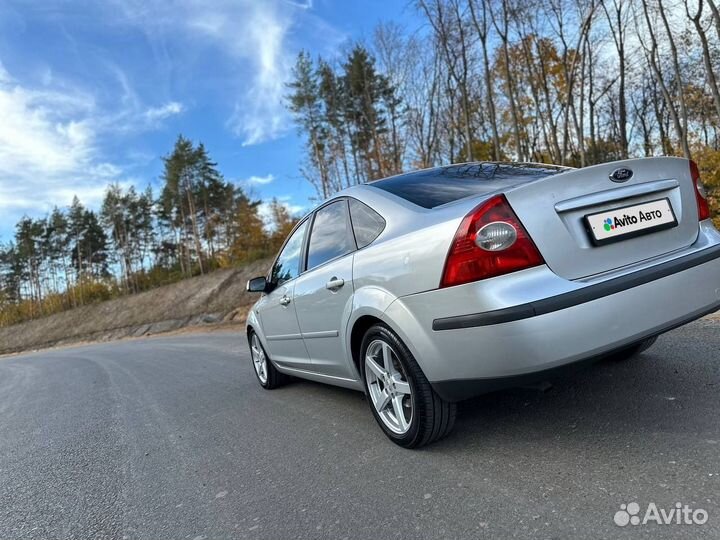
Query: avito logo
[(616, 222), (680, 514)]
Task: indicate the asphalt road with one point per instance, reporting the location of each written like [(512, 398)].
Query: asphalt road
[(173, 438)]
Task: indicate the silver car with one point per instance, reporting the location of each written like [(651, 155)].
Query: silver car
[(427, 288)]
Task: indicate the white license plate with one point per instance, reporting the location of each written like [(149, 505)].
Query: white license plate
[(629, 221)]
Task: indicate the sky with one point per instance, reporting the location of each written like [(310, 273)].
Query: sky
[(97, 92)]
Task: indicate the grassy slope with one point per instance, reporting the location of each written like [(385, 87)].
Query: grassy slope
[(205, 299)]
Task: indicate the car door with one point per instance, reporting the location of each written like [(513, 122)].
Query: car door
[(277, 309), (323, 293)]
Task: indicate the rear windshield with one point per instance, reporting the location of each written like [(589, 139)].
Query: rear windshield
[(433, 187)]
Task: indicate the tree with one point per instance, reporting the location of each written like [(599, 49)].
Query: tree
[(179, 201), (305, 103), (90, 252), (282, 222), (250, 241)]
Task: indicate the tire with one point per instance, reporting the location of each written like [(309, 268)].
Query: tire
[(265, 371), (413, 414), (631, 350)]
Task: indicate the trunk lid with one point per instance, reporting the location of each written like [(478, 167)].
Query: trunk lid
[(554, 210)]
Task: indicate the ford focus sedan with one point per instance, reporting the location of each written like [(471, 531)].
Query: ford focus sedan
[(431, 287)]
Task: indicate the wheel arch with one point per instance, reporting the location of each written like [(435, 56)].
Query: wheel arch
[(252, 324), (359, 328), (368, 306)]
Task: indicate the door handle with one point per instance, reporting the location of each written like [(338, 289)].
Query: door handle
[(285, 300), (334, 283)]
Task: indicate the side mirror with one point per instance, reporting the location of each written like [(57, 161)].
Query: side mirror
[(258, 284)]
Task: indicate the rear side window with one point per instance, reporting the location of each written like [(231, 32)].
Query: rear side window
[(287, 265), (434, 187), (330, 236), (367, 223)]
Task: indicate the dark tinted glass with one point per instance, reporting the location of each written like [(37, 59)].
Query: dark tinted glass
[(367, 223), (330, 235), (434, 187), (287, 266)]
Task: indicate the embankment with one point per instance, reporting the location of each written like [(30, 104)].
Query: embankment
[(214, 298)]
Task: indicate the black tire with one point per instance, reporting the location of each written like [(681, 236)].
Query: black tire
[(631, 350), (274, 378), (433, 418)]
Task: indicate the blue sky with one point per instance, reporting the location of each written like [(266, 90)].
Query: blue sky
[(96, 92)]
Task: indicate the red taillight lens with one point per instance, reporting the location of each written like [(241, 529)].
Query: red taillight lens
[(468, 262), (700, 194)]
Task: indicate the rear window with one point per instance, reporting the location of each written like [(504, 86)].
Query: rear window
[(433, 187)]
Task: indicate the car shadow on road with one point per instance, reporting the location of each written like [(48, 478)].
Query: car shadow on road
[(669, 390), (637, 397)]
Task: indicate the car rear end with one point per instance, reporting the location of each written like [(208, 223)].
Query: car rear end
[(555, 268)]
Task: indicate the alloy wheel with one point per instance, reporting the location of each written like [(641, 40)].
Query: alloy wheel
[(259, 359), (388, 386)]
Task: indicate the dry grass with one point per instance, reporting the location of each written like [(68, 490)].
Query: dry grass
[(211, 299)]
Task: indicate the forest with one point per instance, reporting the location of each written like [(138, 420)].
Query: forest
[(197, 223), (570, 82)]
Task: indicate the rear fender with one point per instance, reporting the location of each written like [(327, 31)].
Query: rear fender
[(367, 301), (398, 317)]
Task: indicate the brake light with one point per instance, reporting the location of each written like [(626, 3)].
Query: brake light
[(700, 193), (490, 242)]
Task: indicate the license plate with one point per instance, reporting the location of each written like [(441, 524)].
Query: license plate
[(630, 221)]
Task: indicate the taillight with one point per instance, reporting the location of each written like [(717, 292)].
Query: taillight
[(490, 242), (700, 193)]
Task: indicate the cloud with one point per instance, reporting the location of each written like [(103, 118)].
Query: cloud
[(254, 38), (49, 149), (261, 114), (266, 214), (308, 4), (155, 114), (70, 127), (52, 137), (262, 180)]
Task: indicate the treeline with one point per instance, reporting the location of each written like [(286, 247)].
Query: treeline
[(197, 223), (572, 82)]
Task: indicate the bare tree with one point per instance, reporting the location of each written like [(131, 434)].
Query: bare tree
[(652, 56), (447, 22), (480, 21), (696, 18)]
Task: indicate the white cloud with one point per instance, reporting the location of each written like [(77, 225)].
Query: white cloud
[(254, 36), (262, 180), (261, 114), (155, 114), (308, 4), (51, 140), (266, 214), (55, 134), (48, 149)]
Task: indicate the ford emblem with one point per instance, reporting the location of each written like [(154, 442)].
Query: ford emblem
[(621, 175)]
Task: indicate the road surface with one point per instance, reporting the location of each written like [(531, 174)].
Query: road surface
[(173, 438)]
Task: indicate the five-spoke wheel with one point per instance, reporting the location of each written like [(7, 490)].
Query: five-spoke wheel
[(402, 400), (388, 386), (267, 374), (258, 358)]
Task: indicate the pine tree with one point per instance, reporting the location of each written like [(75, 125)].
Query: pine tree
[(305, 103), (365, 90), (250, 240)]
